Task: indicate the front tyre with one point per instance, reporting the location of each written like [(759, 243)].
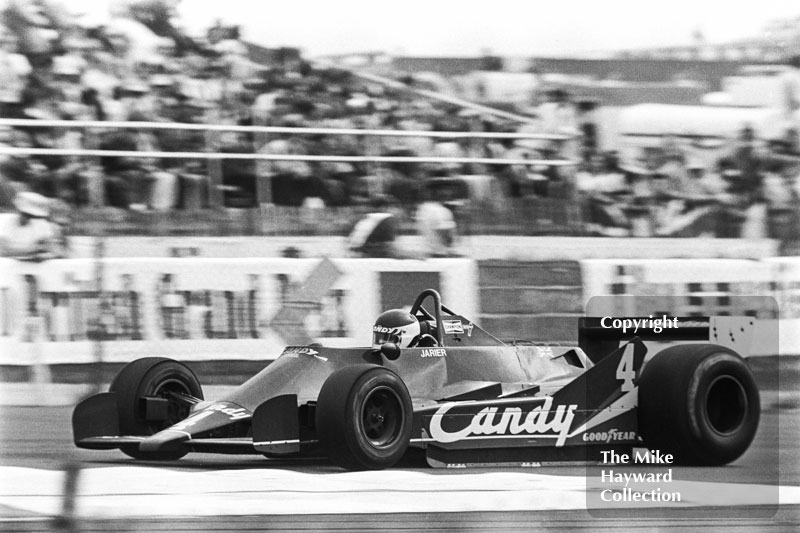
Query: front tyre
[(700, 403), (364, 417), (153, 377)]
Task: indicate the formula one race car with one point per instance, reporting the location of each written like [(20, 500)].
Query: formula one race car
[(462, 395)]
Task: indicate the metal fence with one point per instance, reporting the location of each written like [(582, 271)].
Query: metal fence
[(208, 215)]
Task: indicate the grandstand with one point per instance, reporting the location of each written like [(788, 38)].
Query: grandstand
[(139, 129)]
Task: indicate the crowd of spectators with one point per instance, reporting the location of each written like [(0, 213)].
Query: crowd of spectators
[(750, 190), (121, 70), (137, 66), (57, 67)]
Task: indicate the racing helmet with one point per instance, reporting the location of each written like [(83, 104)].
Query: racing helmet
[(397, 326)]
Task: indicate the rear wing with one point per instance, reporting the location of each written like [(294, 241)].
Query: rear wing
[(599, 336)]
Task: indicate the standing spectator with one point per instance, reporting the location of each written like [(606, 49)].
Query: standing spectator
[(14, 72), (123, 175), (401, 180), (437, 227), (93, 105), (609, 189), (587, 124), (448, 149), (67, 72), (557, 114), (28, 234), (375, 234), (11, 171), (747, 159), (746, 183), (264, 106)]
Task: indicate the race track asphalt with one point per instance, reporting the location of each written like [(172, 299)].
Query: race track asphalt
[(40, 438)]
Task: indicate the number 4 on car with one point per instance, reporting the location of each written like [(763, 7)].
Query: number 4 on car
[(457, 394)]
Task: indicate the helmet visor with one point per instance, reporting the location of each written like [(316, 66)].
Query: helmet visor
[(382, 337)]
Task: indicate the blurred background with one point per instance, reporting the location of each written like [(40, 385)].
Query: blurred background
[(695, 138), (172, 173), (182, 180), (212, 182)]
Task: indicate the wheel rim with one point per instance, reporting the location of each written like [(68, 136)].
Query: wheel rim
[(726, 405), (176, 411), (382, 417)]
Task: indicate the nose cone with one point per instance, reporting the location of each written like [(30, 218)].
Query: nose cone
[(168, 440), (215, 418)]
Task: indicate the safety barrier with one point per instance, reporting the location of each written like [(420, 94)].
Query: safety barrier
[(787, 284), (767, 289), (118, 309), (480, 247), (62, 311), (683, 286)]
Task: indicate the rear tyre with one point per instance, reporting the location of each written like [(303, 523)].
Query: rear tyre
[(698, 402), (364, 417), (152, 377)]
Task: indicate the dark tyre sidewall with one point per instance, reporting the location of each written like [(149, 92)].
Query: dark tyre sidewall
[(722, 438), (151, 376), (390, 388), (689, 396), (342, 431)]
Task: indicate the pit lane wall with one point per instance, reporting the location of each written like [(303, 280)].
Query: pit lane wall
[(207, 308)]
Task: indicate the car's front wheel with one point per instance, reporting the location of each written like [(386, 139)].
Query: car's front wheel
[(363, 417), (159, 379)]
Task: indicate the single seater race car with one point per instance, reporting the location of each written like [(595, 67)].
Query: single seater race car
[(464, 397)]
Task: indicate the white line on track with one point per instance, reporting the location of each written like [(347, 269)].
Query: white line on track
[(134, 491)]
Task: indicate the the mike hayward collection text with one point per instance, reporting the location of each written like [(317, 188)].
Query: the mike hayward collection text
[(618, 477)]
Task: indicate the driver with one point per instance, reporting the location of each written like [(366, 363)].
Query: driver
[(401, 328)]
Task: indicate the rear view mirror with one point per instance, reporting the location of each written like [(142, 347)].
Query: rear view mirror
[(390, 351)]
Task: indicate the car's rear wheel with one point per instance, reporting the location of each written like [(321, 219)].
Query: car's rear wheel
[(363, 417), (698, 402), (155, 378)]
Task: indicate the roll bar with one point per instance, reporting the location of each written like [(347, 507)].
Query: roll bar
[(438, 308)]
